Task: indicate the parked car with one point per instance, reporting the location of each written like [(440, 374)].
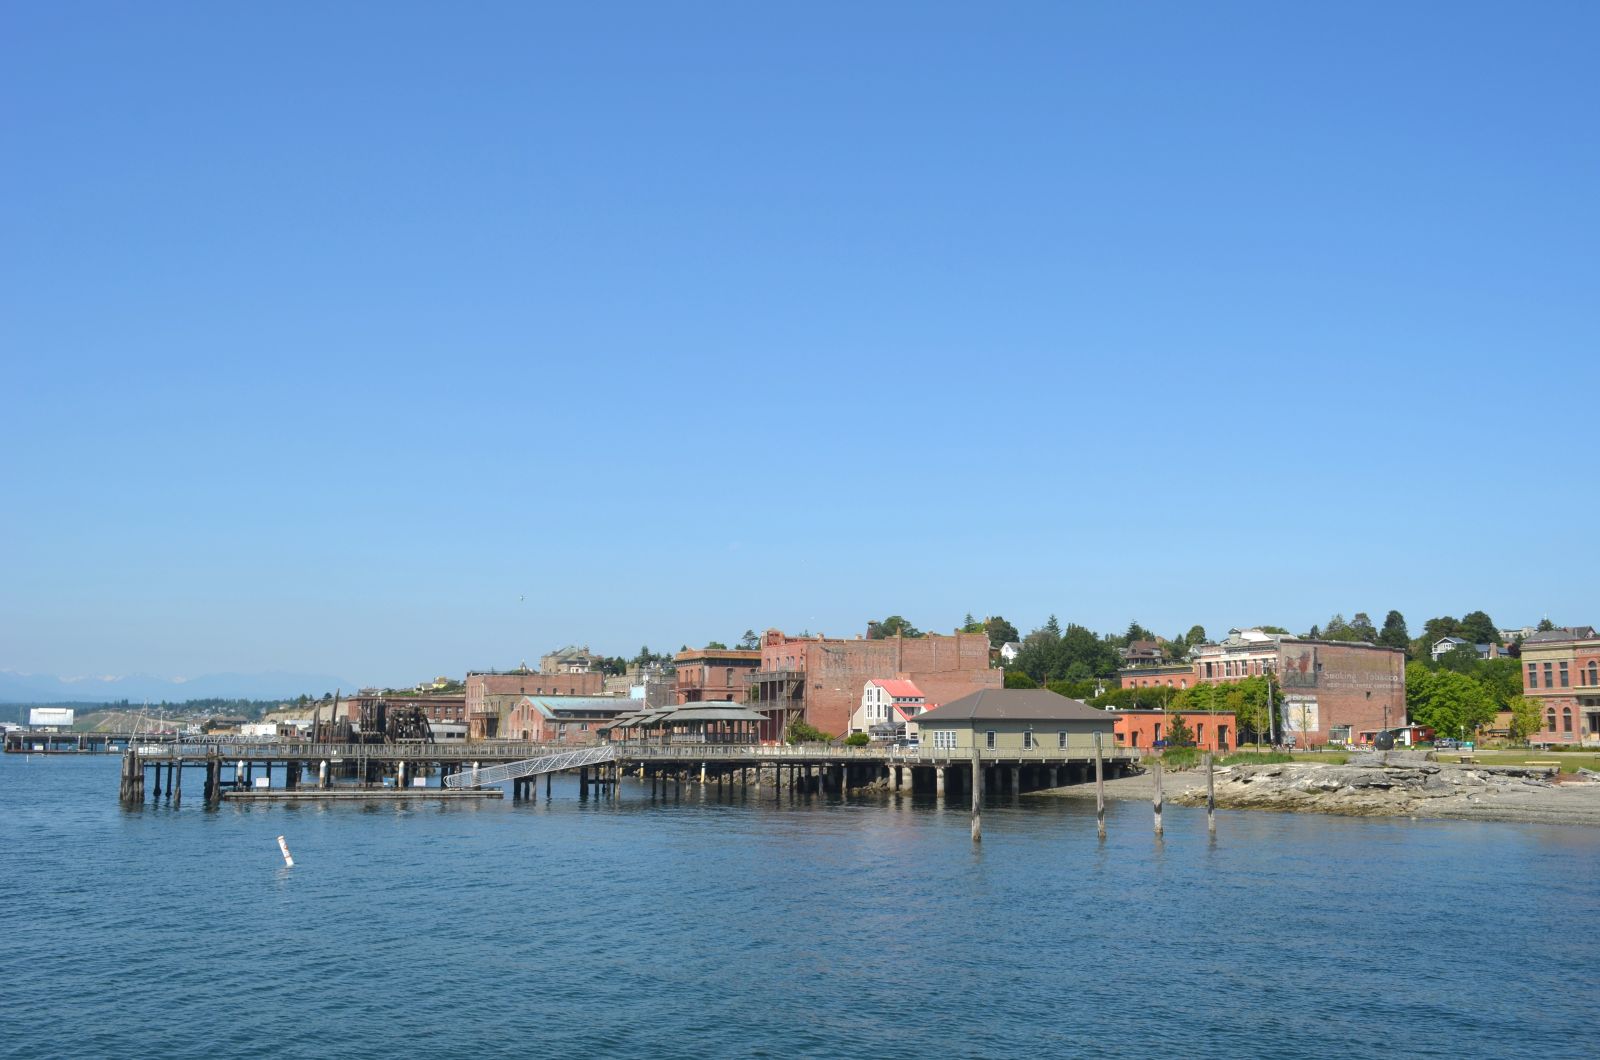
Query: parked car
[(1445, 743)]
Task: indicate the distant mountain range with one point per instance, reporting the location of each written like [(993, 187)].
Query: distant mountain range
[(136, 688)]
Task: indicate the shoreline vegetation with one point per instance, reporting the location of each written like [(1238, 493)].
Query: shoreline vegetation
[(1392, 784)]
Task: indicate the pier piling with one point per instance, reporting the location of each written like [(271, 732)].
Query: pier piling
[(1156, 798), (1099, 789)]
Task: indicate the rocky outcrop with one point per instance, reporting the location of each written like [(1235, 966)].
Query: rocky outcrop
[(1374, 786)]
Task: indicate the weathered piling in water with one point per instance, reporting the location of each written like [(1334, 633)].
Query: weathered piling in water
[(1211, 797), (1099, 789), (1156, 798), (977, 797)]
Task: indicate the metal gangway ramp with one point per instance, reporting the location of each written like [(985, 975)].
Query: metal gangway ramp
[(531, 767)]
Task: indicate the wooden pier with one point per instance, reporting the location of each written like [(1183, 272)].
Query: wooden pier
[(82, 743), (306, 770)]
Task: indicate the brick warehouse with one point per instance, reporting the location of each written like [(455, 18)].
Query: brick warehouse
[(1330, 690), (491, 694), (821, 680)]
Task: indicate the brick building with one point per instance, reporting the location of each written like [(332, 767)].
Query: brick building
[(562, 719), (491, 694), (821, 680), (1178, 675), (714, 674), (1561, 670), (1329, 690), (1145, 728)]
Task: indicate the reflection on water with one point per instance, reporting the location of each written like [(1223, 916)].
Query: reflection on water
[(744, 925)]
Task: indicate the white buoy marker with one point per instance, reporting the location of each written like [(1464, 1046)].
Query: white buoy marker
[(288, 859)]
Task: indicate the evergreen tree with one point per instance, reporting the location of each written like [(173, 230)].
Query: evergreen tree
[(1394, 633)]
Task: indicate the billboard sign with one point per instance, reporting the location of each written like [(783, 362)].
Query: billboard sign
[(1300, 714), (61, 716)]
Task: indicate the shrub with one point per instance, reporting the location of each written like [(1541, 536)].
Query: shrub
[(857, 739)]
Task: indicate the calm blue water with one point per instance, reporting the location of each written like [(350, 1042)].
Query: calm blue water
[(698, 929)]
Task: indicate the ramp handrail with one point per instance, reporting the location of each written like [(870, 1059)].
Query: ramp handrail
[(529, 767)]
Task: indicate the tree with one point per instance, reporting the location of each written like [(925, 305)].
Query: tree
[(1463, 659), (1525, 717), (1000, 631), (1362, 626), (893, 626), (1449, 703), (1545, 625), (800, 732), (749, 642), (1018, 679), (1196, 635), (1178, 732), (1478, 628), (1394, 633), (716, 645), (1314, 634), (1136, 632)]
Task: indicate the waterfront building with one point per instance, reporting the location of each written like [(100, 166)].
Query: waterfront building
[(1330, 690), (1561, 670), (445, 708), (888, 708), (491, 694), (699, 722), (721, 674), (821, 679), (562, 719), (1144, 729), (998, 721)]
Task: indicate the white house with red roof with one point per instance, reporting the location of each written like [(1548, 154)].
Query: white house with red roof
[(888, 707)]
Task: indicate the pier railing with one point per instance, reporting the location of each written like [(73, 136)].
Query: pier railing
[(507, 751)]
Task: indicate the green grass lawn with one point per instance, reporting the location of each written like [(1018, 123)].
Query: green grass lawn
[(1571, 761)]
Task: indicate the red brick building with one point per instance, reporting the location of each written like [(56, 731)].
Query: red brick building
[(1177, 676), (714, 674), (1561, 670), (1145, 728), (821, 680), (562, 719), (1329, 690), (492, 693), (438, 708)]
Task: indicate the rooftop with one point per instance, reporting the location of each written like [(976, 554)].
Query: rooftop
[(1012, 704)]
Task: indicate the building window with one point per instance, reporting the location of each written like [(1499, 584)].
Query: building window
[(944, 739), (1564, 675), (988, 739), (1566, 719), (1061, 740), (1550, 720), (1549, 679), (1027, 737), (1533, 675)]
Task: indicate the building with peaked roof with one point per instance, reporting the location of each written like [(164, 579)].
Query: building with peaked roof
[(569, 660), (492, 694), (888, 708), (562, 719), (699, 722), (1001, 720), (1561, 670)]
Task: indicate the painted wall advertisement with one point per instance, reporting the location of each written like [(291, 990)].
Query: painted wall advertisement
[(1300, 714)]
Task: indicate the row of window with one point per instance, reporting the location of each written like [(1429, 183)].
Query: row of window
[(1555, 675), (945, 740), (1241, 668)]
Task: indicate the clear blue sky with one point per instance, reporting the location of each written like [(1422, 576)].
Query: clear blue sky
[(332, 332)]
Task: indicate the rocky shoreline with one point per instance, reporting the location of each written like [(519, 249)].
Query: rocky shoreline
[(1396, 784)]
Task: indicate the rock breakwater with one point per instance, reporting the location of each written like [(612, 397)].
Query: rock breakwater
[(1393, 785)]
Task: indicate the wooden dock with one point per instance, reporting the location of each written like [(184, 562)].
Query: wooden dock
[(245, 770)]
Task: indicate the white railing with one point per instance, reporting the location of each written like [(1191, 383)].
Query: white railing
[(553, 763)]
